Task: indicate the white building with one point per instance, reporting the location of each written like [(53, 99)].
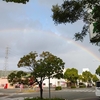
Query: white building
[(85, 69), (54, 82)]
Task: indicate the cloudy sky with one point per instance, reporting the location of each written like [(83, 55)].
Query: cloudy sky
[(29, 27)]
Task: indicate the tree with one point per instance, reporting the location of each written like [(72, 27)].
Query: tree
[(87, 76), (17, 77), (71, 75), (98, 70), (95, 78), (17, 1), (42, 66), (70, 11), (80, 78)]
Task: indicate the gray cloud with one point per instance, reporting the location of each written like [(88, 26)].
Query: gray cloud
[(26, 28)]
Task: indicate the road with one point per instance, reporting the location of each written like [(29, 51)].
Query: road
[(68, 94)]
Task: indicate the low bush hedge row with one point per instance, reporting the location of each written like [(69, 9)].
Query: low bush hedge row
[(58, 88), (43, 99)]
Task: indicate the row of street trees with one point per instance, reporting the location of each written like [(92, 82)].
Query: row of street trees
[(70, 75), (86, 76), (45, 66)]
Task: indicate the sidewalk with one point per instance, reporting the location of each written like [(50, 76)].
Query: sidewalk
[(6, 97)]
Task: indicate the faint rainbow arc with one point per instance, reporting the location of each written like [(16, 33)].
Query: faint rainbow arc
[(63, 37), (82, 47), (78, 45)]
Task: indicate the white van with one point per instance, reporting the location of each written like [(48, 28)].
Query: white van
[(97, 89)]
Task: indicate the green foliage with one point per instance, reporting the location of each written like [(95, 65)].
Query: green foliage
[(80, 78), (71, 75), (95, 78), (73, 86), (58, 88), (70, 11), (98, 70), (96, 15), (17, 77), (47, 65), (43, 99), (17, 1), (82, 86), (12, 78), (42, 66), (28, 61), (87, 76)]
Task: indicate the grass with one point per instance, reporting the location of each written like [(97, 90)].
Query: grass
[(27, 90)]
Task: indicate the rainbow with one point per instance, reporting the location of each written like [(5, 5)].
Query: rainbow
[(80, 46), (55, 35), (83, 48)]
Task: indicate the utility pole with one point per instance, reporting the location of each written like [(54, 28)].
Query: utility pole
[(6, 62)]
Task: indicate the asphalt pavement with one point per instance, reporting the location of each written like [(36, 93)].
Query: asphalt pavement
[(7, 96)]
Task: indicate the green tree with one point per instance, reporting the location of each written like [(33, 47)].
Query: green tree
[(71, 75), (70, 11), (80, 78), (17, 1), (87, 76), (42, 66), (95, 78), (17, 77), (98, 70)]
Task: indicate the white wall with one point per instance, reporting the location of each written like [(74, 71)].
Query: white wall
[(54, 82)]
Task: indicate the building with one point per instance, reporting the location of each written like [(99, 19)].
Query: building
[(54, 82), (85, 69), (3, 82)]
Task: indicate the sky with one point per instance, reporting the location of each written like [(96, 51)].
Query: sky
[(30, 27)]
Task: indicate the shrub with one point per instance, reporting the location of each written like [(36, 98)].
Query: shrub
[(73, 86), (43, 99), (82, 86), (58, 88)]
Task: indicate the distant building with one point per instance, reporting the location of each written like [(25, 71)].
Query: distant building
[(3, 82), (54, 82), (85, 69)]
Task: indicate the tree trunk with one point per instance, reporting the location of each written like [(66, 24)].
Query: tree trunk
[(40, 86), (41, 89), (49, 89)]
